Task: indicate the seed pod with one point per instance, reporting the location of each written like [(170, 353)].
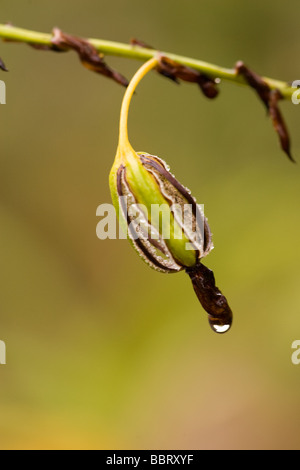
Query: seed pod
[(179, 235), (176, 237)]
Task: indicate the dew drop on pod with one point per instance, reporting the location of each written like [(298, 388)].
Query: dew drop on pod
[(178, 237)]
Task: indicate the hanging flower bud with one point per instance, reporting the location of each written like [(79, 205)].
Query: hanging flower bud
[(167, 229), (161, 218)]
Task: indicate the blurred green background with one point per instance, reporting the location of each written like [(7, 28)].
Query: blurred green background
[(103, 352)]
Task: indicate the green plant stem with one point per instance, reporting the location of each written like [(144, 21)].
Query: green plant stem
[(149, 65), (11, 33)]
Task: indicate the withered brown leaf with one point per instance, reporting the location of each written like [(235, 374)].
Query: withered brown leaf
[(270, 98), (87, 53), (176, 72), (279, 123), (137, 42), (2, 66)]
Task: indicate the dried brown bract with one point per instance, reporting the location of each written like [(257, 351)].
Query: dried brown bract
[(137, 42), (211, 298), (270, 98), (174, 71), (2, 66), (279, 123), (87, 53)]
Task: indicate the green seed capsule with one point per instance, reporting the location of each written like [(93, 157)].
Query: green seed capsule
[(176, 236), (179, 236)]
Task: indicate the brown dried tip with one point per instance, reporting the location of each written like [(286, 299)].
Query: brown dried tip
[(137, 42), (270, 98), (211, 298), (176, 72), (279, 123), (87, 53), (2, 66)]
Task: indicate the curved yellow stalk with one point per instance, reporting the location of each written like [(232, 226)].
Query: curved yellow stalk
[(124, 144)]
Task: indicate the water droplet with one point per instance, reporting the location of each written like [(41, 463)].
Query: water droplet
[(219, 326)]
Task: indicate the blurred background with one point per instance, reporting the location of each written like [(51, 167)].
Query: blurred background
[(103, 352)]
